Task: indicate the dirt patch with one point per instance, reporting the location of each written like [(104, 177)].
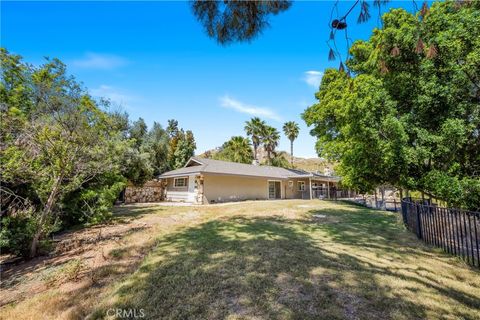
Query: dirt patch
[(84, 256)]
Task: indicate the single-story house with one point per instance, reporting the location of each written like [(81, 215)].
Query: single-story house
[(211, 181)]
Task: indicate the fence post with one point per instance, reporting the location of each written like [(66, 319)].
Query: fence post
[(419, 222)]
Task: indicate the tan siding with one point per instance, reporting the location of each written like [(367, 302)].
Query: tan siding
[(293, 193), (234, 188), (226, 188)]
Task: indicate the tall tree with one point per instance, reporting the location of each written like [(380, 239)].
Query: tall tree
[(291, 130), (423, 71), (172, 128), (15, 92), (185, 149), (156, 143), (181, 145), (270, 138), (138, 159), (255, 128), (174, 134), (237, 149), (138, 131), (62, 142)]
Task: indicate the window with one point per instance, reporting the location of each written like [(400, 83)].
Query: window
[(301, 185), (180, 182)]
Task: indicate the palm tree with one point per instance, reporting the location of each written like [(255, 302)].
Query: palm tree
[(291, 130), (254, 129), (238, 149), (270, 138)]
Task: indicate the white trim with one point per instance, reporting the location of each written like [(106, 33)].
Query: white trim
[(194, 160), (311, 195), (180, 178), (268, 189)]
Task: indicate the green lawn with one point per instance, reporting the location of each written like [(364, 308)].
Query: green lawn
[(276, 261), (267, 260)]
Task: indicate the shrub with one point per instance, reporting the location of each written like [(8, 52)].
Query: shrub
[(17, 232), (92, 203)]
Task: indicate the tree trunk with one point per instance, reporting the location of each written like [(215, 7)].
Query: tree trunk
[(52, 198), (255, 152), (291, 152)]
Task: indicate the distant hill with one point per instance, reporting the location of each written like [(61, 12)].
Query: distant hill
[(313, 164), (319, 165)]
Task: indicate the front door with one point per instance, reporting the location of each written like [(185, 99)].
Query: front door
[(274, 190)]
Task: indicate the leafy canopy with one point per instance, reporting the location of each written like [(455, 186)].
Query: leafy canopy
[(237, 149), (410, 115)]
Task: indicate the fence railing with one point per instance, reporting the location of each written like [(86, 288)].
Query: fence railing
[(455, 231), (331, 193)]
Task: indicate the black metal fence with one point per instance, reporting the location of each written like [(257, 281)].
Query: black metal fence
[(455, 231)]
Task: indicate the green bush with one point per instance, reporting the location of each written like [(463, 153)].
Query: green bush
[(464, 193), (15, 235), (17, 232), (92, 203)]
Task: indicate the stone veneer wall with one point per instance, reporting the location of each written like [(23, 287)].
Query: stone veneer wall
[(199, 191), (151, 191)]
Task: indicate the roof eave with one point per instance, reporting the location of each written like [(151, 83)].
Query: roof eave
[(180, 174)]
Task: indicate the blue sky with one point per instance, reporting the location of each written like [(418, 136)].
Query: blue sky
[(155, 61)]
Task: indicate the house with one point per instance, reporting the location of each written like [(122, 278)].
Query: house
[(211, 181)]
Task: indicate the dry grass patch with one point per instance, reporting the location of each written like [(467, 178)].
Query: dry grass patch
[(273, 260), (276, 261)]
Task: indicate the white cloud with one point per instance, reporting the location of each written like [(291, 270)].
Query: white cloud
[(112, 94), (313, 78), (93, 60), (236, 105)]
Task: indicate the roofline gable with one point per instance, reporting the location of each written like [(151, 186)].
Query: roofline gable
[(194, 160)]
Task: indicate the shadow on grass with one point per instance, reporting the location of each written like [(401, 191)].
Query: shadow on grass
[(122, 212), (382, 232), (276, 268), (270, 268)]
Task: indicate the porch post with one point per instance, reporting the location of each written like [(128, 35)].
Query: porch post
[(310, 181), (328, 189)]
